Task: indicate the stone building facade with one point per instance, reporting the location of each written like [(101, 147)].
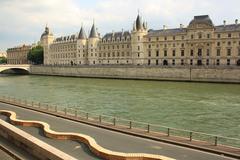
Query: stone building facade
[(200, 43), (18, 55)]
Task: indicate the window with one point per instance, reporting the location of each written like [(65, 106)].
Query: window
[(165, 53), (149, 54), (174, 38), (182, 37), (174, 53), (182, 62), (149, 39), (182, 45), (138, 54), (200, 36), (219, 35), (173, 62), (191, 52), (208, 52), (208, 35), (199, 52), (182, 53), (165, 38), (157, 62), (138, 48), (228, 62), (229, 52), (207, 62), (229, 43), (191, 62), (157, 53), (218, 62), (218, 43), (149, 62), (149, 46), (218, 52), (192, 36), (229, 35), (157, 39)]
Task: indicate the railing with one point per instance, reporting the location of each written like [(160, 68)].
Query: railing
[(121, 123)]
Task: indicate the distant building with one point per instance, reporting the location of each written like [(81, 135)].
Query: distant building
[(18, 55), (200, 43)]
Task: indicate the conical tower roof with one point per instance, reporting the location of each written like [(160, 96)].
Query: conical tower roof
[(93, 32), (82, 34), (139, 22)]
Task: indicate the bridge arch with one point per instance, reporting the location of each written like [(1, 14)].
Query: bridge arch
[(15, 69)]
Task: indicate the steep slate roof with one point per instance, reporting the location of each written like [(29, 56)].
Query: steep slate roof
[(93, 33), (66, 38), (46, 32), (82, 34), (201, 19), (139, 23), (116, 35), (165, 32), (231, 27)]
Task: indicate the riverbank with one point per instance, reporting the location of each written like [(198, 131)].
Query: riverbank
[(195, 74)]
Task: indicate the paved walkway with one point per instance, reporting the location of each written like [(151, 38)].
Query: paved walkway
[(113, 140)]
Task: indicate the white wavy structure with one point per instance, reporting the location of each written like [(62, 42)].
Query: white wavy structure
[(89, 141)]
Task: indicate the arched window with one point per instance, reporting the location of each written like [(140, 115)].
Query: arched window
[(165, 62)]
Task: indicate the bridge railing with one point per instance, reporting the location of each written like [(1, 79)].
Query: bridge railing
[(131, 125)]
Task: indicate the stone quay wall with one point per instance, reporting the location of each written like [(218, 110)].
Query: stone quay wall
[(195, 74)]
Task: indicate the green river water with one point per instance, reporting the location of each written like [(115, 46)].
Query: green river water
[(204, 107)]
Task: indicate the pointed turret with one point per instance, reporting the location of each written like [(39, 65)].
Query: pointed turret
[(82, 34), (134, 26), (93, 32), (139, 23), (145, 25)]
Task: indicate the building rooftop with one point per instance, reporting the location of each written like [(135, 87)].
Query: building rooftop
[(116, 35)]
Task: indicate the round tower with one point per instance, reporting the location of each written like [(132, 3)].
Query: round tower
[(46, 40), (138, 33), (93, 46), (82, 56)]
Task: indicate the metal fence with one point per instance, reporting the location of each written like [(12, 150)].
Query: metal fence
[(157, 130)]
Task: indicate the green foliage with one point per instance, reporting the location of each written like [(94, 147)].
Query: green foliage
[(35, 55), (3, 60)]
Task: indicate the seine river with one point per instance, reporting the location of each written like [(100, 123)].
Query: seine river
[(205, 107)]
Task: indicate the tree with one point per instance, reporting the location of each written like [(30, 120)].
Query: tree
[(3, 60), (35, 55)]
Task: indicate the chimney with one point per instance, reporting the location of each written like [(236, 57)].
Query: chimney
[(181, 26), (224, 23), (164, 27), (236, 21)]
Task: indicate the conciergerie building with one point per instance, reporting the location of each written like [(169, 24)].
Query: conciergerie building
[(201, 43)]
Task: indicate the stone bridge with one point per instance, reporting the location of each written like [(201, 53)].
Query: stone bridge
[(20, 68)]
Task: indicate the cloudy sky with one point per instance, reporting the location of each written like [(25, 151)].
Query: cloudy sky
[(23, 21)]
